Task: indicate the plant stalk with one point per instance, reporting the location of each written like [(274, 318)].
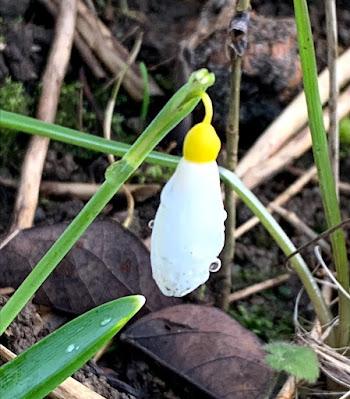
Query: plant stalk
[(32, 126), (323, 164), (177, 108), (222, 279)]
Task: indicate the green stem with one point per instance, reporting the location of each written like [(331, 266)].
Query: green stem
[(178, 107), (56, 253), (322, 160), (283, 242), (32, 126)]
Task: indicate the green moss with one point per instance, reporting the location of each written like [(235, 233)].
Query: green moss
[(153, 174), (13, 98), (269, 316), (70, 110)]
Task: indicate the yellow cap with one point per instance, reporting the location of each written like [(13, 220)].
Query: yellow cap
[(202, 144)]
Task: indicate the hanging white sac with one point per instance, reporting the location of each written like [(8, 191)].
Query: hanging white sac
[(188, 230)]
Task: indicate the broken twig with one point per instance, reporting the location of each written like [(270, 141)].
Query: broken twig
[(28, 192)]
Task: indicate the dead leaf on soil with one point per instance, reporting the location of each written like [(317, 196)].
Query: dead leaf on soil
[(207, 348), (107, 262)]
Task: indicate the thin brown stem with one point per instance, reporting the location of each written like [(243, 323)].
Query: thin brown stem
[(223, 277), (238, 30)]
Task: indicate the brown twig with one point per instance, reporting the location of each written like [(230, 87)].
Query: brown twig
[(292, 150), (69, 389), (292, 119), (288, 389), (84, 50), (28, 192), (344, 187), (85, 191), (284, 197), (97, 46), (7, 290), (294, 220), (256, 288), (111, 52), (332, 55), (238, 30)]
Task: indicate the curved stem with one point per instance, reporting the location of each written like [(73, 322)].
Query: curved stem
[(32, 126), (297, 262), (177, 108)]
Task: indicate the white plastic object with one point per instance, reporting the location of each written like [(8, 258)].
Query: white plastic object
[(188, 230)]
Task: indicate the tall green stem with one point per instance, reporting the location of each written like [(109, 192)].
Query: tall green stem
[(32, 126), (283, 241), (179, 106), (322, 160)]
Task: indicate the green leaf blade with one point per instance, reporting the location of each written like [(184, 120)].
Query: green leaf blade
[(41, 368), (298, 361)]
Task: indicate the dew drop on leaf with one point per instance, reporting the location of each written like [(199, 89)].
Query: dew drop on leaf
[(105, 322)]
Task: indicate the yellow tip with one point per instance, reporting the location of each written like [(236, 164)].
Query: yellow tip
[(202, 144)]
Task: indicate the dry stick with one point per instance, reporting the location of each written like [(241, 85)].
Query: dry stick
[(294, 220), (28, 192), (107, 123), (292, 119), (69, 389), (284, 197), (97, 46), (7, 291), (84, 50), (296, 147), (288, 389), (343, 186), (110, 52), (238, 30), (84, 191), (256, 288), (332, 55)]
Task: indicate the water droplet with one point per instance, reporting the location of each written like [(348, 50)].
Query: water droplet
[(105, 321), (151, 224), (215, 266), (70, 348)]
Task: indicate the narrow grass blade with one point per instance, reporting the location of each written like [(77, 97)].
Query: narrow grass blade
[(41, 368)]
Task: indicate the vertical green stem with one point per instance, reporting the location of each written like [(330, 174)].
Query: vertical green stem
[(322, 160)]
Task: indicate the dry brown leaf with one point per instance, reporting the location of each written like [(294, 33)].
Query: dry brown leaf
[(207, 348), (108, 262)]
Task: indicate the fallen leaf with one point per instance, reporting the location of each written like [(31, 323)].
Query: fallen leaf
[(108, 262), (205, 347)]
